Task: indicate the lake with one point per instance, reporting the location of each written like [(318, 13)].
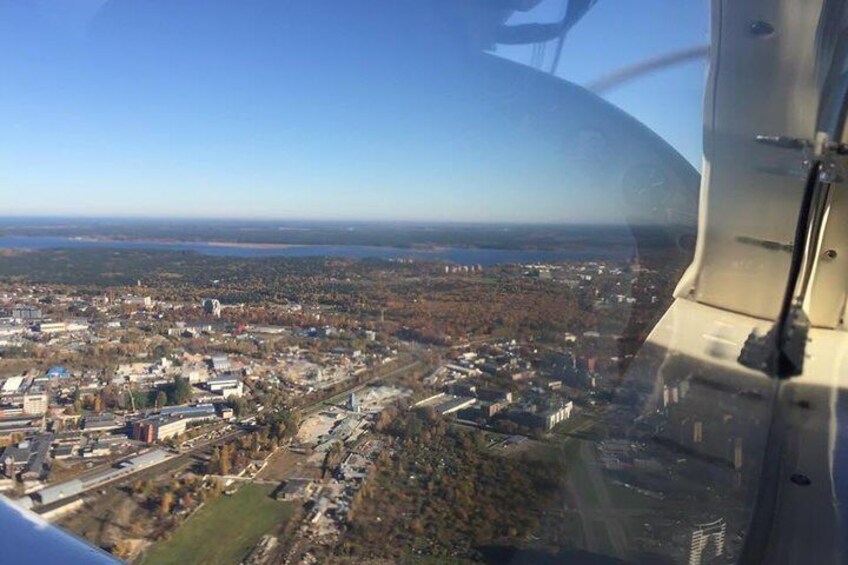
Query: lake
[(458, 255)]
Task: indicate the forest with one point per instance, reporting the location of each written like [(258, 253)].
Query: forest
[(440, 492)]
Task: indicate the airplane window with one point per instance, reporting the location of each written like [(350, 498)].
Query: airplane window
[(491, 281)]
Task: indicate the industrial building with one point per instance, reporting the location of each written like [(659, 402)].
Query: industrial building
[(158, 428), (544, 420), (102, 423), (25, 313), (454, 404), (28, 458), (220, 363), (64, 451), (493, 395), (226, 385), (74, 487), (142, 301), (19, 425), (35, 403), (445, 404), (196, 412), (12, 385), (50, 327)]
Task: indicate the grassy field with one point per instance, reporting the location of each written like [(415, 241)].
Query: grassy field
[(224, 530)]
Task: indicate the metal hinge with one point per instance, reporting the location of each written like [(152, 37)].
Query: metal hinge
[(779, 355)]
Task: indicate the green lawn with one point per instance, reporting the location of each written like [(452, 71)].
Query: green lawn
[(224, 530)]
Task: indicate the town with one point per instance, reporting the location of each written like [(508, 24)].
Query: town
[(128, 409)]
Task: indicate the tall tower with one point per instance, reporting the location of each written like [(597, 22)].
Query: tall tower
[(707, 541)]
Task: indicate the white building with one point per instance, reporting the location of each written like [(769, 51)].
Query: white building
[(226, 386), (142, 301), (12, 384), (51, 327), (212, 306), (554, 417), (35, 404), (707, 542)]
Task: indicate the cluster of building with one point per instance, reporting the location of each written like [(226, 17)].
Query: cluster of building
[(173, 421), (344, 426), (486, 404), (449, 269), (610, 283), (500, 382)]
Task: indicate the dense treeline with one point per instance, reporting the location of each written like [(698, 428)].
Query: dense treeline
[(273, 429)]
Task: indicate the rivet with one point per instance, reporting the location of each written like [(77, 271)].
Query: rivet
[(761, 28)]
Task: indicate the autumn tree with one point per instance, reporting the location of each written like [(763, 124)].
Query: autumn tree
[(225, 464), (214, 464), (166, 503), (180, 391), (122, 549)]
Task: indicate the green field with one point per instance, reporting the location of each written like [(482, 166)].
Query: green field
[(224, 530)]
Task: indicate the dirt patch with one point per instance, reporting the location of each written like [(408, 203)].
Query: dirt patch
[(285, 464)]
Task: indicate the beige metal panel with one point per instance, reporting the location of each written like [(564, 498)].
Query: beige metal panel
[(759, 85), (707, 334), (715, 336), (827, 294), (826, 300)]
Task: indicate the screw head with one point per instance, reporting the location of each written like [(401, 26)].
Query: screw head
[(800, 480)]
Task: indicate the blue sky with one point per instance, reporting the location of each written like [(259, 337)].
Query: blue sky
[(314, 110)]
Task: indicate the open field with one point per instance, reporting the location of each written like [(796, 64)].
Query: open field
[(224, 530)]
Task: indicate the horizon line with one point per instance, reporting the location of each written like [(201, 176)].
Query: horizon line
[(407, 221)]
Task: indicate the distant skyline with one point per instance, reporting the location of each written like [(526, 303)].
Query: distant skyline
[(311, 111)]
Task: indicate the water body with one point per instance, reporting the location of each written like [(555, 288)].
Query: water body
[(459, 255)]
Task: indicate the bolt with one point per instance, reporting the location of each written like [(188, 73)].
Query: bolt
[(830, 254)]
